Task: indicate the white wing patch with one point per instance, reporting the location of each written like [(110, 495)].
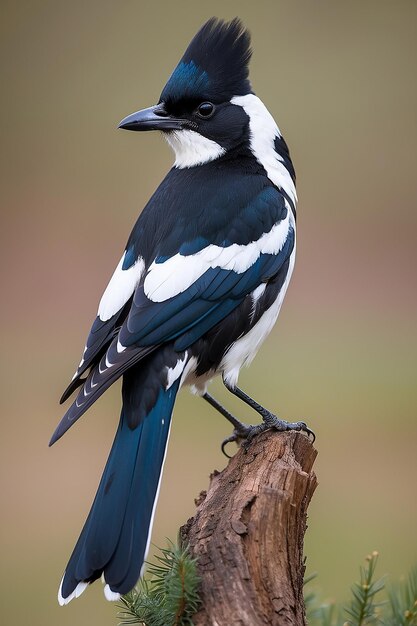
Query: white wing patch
[(173, 373), (121, 286), (192, 149), (263, 131), (165, 280)]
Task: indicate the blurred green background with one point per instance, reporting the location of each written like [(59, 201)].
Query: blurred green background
[(340, 78)]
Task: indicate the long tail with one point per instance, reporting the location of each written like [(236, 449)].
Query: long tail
[(115, 538)]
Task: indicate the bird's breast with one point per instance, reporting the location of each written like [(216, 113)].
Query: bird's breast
[(244, 349)]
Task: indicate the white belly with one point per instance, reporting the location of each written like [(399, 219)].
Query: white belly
[(244, 349)]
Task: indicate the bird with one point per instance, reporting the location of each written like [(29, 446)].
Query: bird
[(197, 290)]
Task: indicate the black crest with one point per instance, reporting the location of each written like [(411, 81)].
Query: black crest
[(215, 65)]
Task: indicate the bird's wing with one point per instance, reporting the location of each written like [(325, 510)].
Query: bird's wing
[(185, 293), (113, 308), (182, 296)]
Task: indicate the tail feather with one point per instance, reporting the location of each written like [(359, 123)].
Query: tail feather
[(115, 537), (122, 572)]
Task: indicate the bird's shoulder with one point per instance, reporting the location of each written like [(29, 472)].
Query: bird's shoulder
[(212, 204)]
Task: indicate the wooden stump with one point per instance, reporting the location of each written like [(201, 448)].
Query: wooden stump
[(248, 532)]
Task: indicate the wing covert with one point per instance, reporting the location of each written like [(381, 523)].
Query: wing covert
[(213, 293), (113, 308)]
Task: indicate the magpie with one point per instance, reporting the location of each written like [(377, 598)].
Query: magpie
[(197, 290)]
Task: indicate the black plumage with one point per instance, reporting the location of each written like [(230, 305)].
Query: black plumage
[(214, 67), (207, 262)]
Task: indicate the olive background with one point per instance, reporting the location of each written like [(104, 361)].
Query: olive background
[(340, 79)]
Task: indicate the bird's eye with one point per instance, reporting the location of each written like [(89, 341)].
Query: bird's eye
[(206, 109)]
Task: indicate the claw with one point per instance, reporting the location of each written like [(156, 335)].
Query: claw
[(310, 433), (242, 433), (232, 437), (303, 426)]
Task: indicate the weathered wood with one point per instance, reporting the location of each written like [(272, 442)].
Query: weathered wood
[(248, 534)]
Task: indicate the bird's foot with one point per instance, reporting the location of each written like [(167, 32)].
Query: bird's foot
[(271, 421), (240, 434), (245, 433)]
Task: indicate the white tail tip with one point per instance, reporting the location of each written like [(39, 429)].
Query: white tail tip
[(75, 594), (111, 596)]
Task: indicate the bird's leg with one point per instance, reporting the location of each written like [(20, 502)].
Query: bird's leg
[(240, 430), (216, 405), (269, 420)]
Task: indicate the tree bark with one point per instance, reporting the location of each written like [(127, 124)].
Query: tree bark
[(248, 531)]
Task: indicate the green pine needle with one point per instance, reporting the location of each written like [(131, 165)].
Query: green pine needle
[(399, 607), (402, 601), (363, 609), (169, 596)]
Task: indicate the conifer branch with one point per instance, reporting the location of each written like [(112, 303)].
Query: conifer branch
[(169, 594), (398, 607)]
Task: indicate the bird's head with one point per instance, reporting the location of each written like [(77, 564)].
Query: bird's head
[(201, 111)]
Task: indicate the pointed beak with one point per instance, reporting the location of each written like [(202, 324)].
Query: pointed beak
[(153, 118)]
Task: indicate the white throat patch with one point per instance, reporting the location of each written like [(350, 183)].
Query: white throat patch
[(192, 149), (263, 131)]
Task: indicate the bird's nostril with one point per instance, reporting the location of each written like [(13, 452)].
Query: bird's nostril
[(160, 111)]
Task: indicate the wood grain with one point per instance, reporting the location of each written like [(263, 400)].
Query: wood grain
[(248, 534)]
